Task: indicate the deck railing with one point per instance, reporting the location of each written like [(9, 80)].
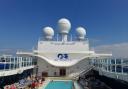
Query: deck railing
[(11, 63), (58, 37), (112, 67)]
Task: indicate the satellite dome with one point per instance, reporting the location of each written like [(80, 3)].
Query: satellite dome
[(64, 25), (81, 32), (48, 32)]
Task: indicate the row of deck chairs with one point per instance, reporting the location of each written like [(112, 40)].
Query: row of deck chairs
[(22, 84)]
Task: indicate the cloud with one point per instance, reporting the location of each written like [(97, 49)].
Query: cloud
[(118, 50), (94, 41), (7, 51)]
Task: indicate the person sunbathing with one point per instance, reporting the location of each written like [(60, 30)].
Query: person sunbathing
[(7, 87), (12, 86), (33, 85)]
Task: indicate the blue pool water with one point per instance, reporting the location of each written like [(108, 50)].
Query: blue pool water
[(60, 85)]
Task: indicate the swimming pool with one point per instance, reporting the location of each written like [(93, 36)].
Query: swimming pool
[(60, 85)]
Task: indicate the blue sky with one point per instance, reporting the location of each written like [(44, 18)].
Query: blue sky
[(21, 21)]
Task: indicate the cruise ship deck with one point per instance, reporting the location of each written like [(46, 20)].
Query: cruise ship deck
[(62, 61)]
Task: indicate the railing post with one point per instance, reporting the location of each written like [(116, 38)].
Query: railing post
[(26, 61), (10, 63), (115, 65), (99, 63), (71, 38), (110, 65), (102, 64), (17, 62), (29, 61), (20, 62), (122, 61), (5, 63), (107, 64), (57, 37), (92, 62), (23, 61), (14, 63)]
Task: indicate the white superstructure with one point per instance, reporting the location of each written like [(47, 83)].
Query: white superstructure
[(63, 55)]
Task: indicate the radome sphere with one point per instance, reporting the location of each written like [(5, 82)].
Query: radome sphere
[(64, 25), (48, 31), (81, 31)]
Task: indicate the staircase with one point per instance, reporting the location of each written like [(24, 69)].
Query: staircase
[(75, 76)]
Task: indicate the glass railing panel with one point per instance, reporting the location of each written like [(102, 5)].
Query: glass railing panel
[(2, 59), (119, 68), (109, 61), (25, 64), (112, 61), (12, 66), (22, 65), (125, 69), (7, 66), (118, 61), (109, 68), (125, 61), (7, 59), (2, 65), (9, 63), (113, 68)]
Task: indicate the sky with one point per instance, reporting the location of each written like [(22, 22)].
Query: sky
[(22, 21)]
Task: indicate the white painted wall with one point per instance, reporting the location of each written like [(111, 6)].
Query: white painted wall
[(43, 66), (52, 46)]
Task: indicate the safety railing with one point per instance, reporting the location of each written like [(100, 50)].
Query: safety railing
[(12, 63), (58, 37), (112, 67)]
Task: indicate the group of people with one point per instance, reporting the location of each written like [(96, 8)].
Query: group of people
[(28, 83), (36, 82), (12, 86)]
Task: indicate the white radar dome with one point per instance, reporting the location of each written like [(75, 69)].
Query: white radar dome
[(48, 32), (64, 25), (81, 32)]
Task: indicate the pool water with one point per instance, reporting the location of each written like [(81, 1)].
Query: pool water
[(60, 85)]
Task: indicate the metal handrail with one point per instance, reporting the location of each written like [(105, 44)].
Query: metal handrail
[(10, 63), (109, 67)]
